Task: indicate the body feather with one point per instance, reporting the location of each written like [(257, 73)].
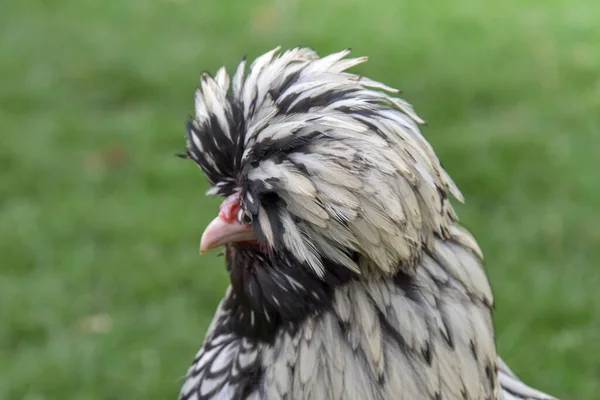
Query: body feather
[(430, 338)]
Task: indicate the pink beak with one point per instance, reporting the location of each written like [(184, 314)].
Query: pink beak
[(220, 232), (226, 228)]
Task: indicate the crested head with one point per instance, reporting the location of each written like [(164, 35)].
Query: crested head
[(327, 166)]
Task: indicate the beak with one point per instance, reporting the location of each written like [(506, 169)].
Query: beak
[(220, 232)]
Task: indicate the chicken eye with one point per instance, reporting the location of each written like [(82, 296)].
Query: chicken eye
[(244, 216)]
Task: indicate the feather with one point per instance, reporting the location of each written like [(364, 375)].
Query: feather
[(298, 244), (363, 285)]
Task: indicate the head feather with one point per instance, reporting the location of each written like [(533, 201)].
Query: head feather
[(330, 164)]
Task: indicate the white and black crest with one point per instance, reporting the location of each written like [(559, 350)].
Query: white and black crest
[(328, 163)]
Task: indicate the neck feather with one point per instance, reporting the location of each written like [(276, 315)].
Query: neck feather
[(274, 291)]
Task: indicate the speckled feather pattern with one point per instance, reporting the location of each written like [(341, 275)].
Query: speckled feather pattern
[(336, 176), (378, 341)]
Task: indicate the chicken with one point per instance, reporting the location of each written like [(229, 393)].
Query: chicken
[(351, 277)]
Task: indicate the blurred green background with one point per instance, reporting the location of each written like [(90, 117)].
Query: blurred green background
[(102, 292)]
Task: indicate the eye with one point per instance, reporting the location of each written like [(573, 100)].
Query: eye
[(244, 216)]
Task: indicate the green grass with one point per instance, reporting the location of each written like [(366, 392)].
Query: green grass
[(100, 222)]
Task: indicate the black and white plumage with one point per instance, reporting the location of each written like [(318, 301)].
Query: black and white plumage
[(350, 275)]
